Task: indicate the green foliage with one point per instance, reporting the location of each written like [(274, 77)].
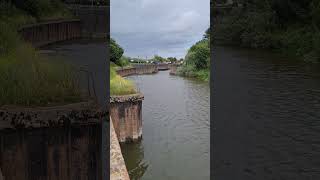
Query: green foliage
[(116, 51), (27, 78), (158, 58), (207, 34), (291, 26), (199, 55), (119, 85), (172, 59), (197, 61), (189, 71), (123, 61)]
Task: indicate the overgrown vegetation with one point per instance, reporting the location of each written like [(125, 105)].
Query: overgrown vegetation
[(290, 26), (197, 60), (27, 78), (119, 85)]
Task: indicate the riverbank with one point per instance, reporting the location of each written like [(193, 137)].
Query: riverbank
[(186, 71), (197, 60)]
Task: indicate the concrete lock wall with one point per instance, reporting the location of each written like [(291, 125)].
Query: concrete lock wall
[(57, 143), (138, 69), (54, 31), (163, 67), (125, 112), (173, 70)]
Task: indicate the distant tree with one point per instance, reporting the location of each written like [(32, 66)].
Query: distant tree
[(123, 61), (199, 55), (172, 59), (159, 58), (116, 51), (207, 34)]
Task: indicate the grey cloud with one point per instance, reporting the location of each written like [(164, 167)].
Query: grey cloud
[(164, 27)]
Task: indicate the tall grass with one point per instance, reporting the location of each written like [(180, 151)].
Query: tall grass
[(119, 85), (191, 71), (31, 80), (26, 78)]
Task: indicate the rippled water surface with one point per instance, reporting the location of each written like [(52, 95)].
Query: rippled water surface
[(266, 117), (176, 130)]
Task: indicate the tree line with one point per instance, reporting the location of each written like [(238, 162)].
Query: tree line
[(117, 57), (291, 26)]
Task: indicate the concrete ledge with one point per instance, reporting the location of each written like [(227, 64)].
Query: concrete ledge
[(118, 170), (127, 98), (13, 117)]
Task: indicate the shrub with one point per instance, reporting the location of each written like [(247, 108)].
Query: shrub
[(116, 51), (124, 61)]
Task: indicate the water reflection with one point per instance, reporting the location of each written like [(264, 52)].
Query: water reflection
[(134, 156), (267, 110)]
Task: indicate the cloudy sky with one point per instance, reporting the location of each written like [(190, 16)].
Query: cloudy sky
[(163, 27)]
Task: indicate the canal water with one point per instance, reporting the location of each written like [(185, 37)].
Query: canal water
[(266, 116), (176, 130)]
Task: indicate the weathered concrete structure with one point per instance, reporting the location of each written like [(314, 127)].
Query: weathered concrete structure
[(126, 115), (54, 143), (118, 170), (12, 117), (40, 34), (173, 69), (163, 67)]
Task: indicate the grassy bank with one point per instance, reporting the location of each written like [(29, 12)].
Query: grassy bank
[(190, 71), (119, 85), (26, 78)]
